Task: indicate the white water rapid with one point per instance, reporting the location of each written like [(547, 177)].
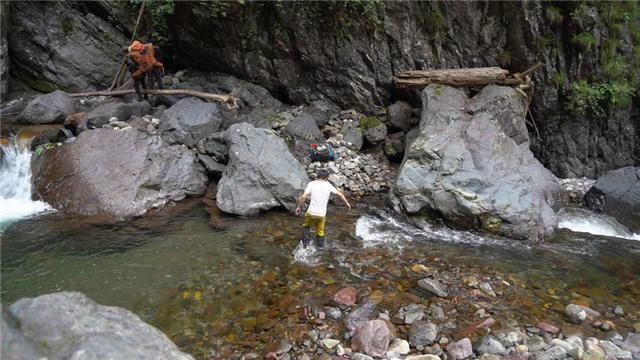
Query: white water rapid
[(15, 184), (597, 224)]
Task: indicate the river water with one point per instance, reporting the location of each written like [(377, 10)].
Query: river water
[(213, 288)]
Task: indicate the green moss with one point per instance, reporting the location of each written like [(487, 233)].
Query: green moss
[(370, 122), (67, 25), (32, 81), (554, 15), (489, 222), (504, 58)]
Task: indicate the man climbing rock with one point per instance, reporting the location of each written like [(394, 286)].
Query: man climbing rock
[(141, 62), (319, 190)]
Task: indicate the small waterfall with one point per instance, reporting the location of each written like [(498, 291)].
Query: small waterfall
[(578, 220), (15, 183)]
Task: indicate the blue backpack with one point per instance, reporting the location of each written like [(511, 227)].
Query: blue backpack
[(323, 152)]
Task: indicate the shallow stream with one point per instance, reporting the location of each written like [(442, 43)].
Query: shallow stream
[(207, 288)]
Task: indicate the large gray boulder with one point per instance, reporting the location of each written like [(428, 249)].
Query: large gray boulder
[(467, 170), (507, 106), (13, 344), (69, 325), (189, 121), (617, 193), (119, 173), (261, 173), (48, 109), (119, 109)]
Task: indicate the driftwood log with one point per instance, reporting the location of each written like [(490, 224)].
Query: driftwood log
[(462, 77), (229, 100)]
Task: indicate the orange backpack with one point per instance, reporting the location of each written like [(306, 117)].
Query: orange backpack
[(144, 56)]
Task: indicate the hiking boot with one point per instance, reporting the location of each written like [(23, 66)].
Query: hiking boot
[(306, 237), (320, 241)]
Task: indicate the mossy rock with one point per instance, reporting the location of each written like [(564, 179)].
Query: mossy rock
[(370, 122), (490, 223)]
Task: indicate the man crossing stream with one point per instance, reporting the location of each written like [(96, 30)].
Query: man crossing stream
[(319, 191)]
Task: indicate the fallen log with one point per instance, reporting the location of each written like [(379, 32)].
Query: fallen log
[(229, 100), (462, 77)]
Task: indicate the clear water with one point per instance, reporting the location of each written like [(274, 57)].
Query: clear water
[(206, 288)]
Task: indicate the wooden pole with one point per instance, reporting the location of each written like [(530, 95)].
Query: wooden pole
[(117, 80), (229, 100)]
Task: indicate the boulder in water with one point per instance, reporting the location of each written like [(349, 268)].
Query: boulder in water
[(119, 173), (189, 121), (48, 109), (617, 193), (261, 173), (467, 170), (69, 325)]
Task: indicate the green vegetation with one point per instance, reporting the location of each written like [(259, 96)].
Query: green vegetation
[(559, 78), (156, 16), (504, 58), (67, 25), (432, 21), (596, 98), (585, 40), (553, 15), (580, 16), (619, 78), (44, 147)]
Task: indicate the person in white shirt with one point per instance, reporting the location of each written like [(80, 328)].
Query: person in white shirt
[(319, 191)]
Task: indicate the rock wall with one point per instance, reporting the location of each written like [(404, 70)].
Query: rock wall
[(347, 52), (4, 48), (61, 45)]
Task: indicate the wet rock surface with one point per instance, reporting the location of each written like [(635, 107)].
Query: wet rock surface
[(261, 173), (48, 109), (70, 325), (617, 193), (137, 172)]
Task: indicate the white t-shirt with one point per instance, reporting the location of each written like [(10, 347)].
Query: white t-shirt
[(320, 191)]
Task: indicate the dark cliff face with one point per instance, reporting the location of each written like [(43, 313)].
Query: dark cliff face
[(347, 52)]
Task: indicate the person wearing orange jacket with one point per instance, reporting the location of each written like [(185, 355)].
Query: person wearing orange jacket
[(142, 61)]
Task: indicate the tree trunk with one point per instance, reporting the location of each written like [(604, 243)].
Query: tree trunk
[(462, 77), (231, 101)]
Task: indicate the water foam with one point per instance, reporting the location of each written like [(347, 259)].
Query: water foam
[(596, 224), (15, 184), (306, 255)]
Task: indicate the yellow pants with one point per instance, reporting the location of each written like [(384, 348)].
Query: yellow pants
[(317, 221)]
